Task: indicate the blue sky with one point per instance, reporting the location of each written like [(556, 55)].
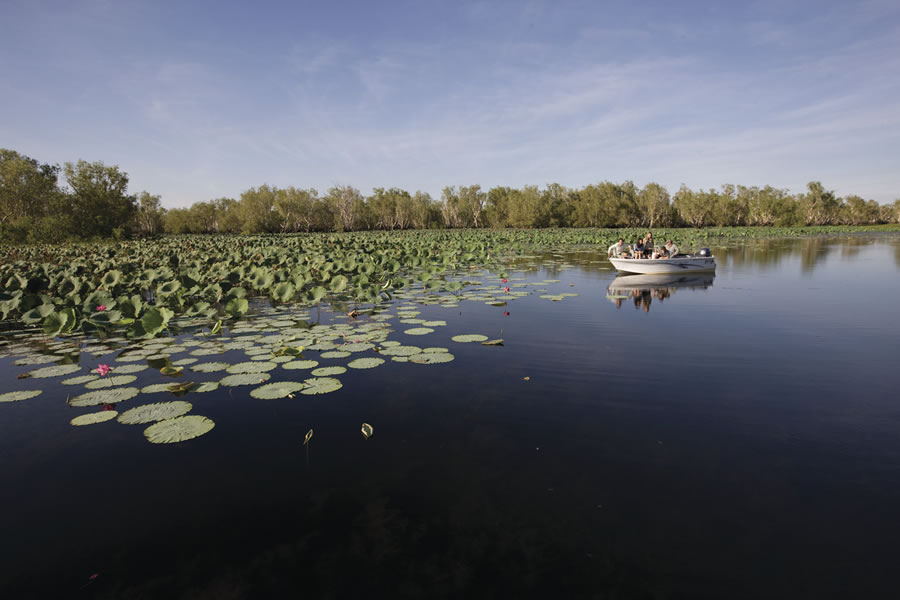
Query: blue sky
[(198, 100)]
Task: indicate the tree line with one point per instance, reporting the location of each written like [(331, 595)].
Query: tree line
[(35, 206)]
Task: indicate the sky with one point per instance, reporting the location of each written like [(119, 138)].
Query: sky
[(201, 100)]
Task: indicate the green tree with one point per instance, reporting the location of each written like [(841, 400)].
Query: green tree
[(148, 218), (346, 204), (99, 201), (28, 189), (653, 205), (257, 210)]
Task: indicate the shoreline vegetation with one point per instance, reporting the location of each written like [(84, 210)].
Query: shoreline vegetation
[(36, 207), (144, 288)]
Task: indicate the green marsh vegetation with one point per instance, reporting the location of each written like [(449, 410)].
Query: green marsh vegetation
[(42, 203)]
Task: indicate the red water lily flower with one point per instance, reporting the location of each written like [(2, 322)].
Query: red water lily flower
[(103, 370), (504, 280), (506, 313), (102, 307), (506, 289)]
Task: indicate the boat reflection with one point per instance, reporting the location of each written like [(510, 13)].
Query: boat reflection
[(643, 289)]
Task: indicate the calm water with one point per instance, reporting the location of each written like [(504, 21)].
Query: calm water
[(735, 436)]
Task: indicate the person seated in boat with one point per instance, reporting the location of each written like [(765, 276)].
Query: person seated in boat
[(671, 249), (616, 250), (648, 245), (638, 248)]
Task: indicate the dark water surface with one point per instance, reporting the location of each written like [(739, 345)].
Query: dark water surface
[(726, 437)]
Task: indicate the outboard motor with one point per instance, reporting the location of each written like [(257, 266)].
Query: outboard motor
[(705, 252)]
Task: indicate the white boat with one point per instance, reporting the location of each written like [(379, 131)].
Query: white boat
[(679, 264)]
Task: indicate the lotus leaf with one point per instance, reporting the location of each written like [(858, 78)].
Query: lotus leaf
[(300, 364), (364, 363), (419, 331), (109, 381), (79, 380), (328, 371), (54, 371), (321, 385), (251, 367), (431, 358), (104, 396), (157, 411), (94, 418), (19, 395), (155, 388), (279, 389), (244, 379), (335, 354), (469, 338), (34, 360), (178, 429), (209, 367)]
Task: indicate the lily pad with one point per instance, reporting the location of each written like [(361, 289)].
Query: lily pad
[(433, 350), (54, 371), (470, 337), (419, 331), (300, 364), (20, 395), (178, 429), (36, 359), (110, 381), (105, 396), (357, 347), (94, 418), (365, 363), (79, 380), (431, 358), (206, 386), (155, 388), (279, 389), (244, 379), (209, 367), (157, 411), (127, 369), (328, 371), (321, 385), (335, 354), (251, 367), (401, 350)]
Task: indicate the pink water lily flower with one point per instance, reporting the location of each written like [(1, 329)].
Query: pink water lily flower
[(504, 280), (103, 370), (101, 307), (506, 289)]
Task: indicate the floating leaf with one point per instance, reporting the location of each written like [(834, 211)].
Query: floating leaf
[(498, 342), (125, 369), (419, 331), (431, 358), (171, 371), (433, 350), (335, 354), (245, 379), (401, 350), (308, 437), (206, 386), (20, 395), (157, 411), (367, 430), (155, 388), (251, 367), (357, 347), (279, 389), (54, 371), (178, 429), (300, 364), (321, 385), (105, 396), (365, 363), (93, 418), (209, 367), (328, 371), (110, 381), (468, 338), (79, 380)]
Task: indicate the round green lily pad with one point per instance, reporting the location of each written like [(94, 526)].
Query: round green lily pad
[(178, 429), (357, 347), (470, 337), (434, 323), (55, 371), (365, 363), (321, 385), (206, 386), (419, 331), (400, 359), (300, 364), (390, 343), (209, 367), (244, 379), (401, 351), (95, 417), (79, 380), (155, 388), (431, 358), (279, 389), (127, 369), (106, 396), (328, 371), (335, 354), (36, 359), (20, 395), (184, 362), (434, 350), (157, 411), (251, 367), (109, 381)]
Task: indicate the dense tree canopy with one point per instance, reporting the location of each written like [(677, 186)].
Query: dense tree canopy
[(95, 203)]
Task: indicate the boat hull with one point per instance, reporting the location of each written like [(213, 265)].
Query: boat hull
[(648, 266)]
